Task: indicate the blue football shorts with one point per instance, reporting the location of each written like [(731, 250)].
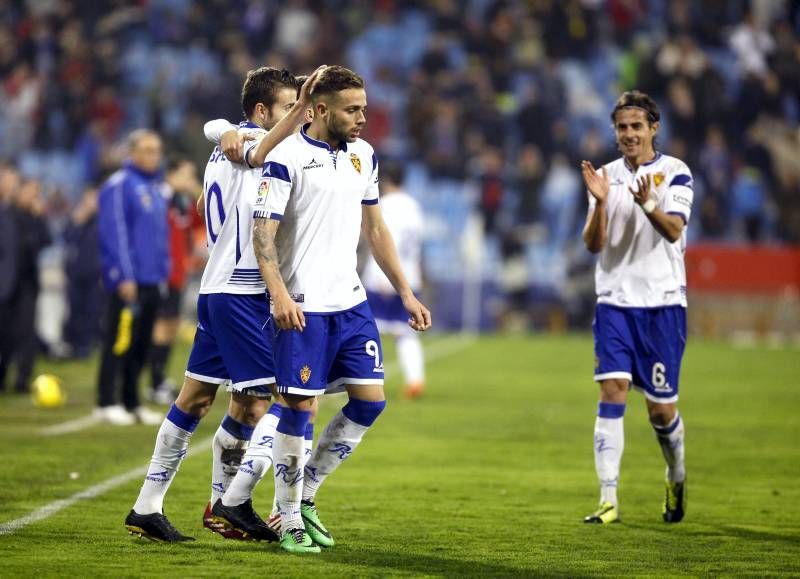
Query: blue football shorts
[(333, 350), (642, 345), (233, 343)]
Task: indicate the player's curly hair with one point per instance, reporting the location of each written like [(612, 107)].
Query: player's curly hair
[(638, 100), (336, 78), (261, 86)]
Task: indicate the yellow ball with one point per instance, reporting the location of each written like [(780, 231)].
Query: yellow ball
[(47, 392)]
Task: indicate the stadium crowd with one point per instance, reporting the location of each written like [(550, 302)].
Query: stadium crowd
[(490, 104)]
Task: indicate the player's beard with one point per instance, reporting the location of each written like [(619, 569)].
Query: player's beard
[(337, 132)]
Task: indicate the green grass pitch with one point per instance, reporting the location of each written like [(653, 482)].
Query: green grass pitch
[(489, 475)]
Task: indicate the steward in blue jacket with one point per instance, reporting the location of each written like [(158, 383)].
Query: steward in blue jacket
[(134, 254)]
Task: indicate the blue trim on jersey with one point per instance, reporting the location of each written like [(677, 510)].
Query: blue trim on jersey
[(374, 161), (277, 170), (182, 420), (653, 160), (236, 429), (267, 215), (369, 202), (320, 144), (249, 125), (685, 219), (682, 179), (238, 247), (610, 410), (650, 162)]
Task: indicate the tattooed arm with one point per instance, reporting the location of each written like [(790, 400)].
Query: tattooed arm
[(287, 314)]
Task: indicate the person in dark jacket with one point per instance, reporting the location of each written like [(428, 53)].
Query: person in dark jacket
[(9, 185), (33, 235), (82, 270), (134, 255)]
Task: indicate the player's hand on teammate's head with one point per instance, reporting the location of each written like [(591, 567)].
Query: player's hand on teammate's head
[(596, 183), (309, 84), (232, 145)]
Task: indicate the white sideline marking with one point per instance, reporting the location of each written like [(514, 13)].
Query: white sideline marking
[(92, 492), (70, 426), (435, 351)]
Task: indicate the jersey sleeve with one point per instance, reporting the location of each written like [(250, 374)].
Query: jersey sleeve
[(277, 176), (680, 193), (371, 192), (216, 128), (251, 146)]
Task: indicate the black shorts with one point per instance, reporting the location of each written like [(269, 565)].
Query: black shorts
[(170, 305)]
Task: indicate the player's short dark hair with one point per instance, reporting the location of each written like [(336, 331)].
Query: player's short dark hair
[(261, 86), (638, 100), (298, 82), (334, 79)]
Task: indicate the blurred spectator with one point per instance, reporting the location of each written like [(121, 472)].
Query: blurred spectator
[(183, 189), (9, 266), (528, 180), (752, 44), (715, 158), (83, 273), (491, 185), (132, 233), (32, 237), (748, 205)]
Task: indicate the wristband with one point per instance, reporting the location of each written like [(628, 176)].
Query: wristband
[(649, 206)]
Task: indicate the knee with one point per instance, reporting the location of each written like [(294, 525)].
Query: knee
[(246, 409), (363, 412), (661, 415), (197, 404), (614, 390)]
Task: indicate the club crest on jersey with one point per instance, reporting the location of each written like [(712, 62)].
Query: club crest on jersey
[(658, 179), (356, 162), (263, 189), (305, 374)]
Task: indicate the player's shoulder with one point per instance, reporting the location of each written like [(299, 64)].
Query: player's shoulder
[(286, 148), (674, 165), (361, 147)]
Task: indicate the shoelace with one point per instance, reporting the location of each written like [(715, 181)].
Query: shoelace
[(298, 534)]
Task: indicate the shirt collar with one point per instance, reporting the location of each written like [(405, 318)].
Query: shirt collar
[(320, 144), (248, 125), (144, 174), (650, 162)]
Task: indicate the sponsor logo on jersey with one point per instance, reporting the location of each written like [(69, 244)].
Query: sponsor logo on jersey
[(305, 374), (683, 200), (356, 162), (313, 164)]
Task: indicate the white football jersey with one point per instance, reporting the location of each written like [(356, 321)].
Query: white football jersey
[(317, 193), (638, 267), (231, 190), (403, 217)]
